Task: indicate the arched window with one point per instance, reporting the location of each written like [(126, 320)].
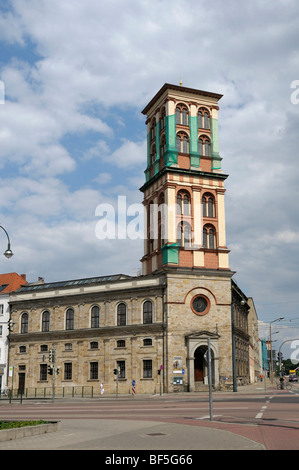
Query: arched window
[(208, 206), (181, 114), (162, 146), (153, 129), (121, 314), (204, 146), (203, 119), (209, 237), (163, 118), (153, 153), (182, 142), (69, 319), (183, 203), (162, 211), (147, 312), (184, 235), (24, 322), (95, 317), (46, 321)]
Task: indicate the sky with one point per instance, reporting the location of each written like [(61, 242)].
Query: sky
[(74, 78)]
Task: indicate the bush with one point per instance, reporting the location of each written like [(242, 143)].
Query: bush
[(19, 424)]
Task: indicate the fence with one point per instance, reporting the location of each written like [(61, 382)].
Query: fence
[(85, 391)]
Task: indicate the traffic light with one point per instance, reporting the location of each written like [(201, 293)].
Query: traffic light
[(51, 355), (57, 370), (159, 371), (50, 370), (10, 325), (115, 371)]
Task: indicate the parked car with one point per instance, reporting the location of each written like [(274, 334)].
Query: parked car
[(293, 378)]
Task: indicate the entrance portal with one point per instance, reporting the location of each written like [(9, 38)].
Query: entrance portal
[(199, 364)]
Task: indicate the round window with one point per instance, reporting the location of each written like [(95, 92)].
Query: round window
[(200, 305)]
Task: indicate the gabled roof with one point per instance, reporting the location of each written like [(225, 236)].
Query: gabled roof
[(10, 282)]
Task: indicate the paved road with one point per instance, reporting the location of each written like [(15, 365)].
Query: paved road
[(251, 419)]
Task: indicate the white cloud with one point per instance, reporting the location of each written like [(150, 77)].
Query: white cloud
[(78, 63)]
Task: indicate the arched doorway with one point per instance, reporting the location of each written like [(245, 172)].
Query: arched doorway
[(199, 364)]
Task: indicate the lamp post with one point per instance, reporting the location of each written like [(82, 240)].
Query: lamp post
[(8, 253), (271, 358)]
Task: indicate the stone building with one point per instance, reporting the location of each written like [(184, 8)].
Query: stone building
[(154, 328)]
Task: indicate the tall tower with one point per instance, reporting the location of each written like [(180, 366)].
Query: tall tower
[(184, 188)]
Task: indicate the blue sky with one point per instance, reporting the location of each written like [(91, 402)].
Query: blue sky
[(77, 76)]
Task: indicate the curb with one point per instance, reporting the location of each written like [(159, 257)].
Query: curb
[(29, 431)]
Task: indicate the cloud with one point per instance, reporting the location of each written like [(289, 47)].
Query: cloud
[(77, 75)]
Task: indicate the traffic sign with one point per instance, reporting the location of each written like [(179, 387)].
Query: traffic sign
[(133, 383)]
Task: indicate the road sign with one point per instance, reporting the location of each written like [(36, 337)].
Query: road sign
[(183, 371), (161, 367), (133, 383)]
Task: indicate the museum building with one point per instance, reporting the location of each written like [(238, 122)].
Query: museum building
[(152, 329)]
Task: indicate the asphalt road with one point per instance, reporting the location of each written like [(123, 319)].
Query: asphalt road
[(252, 419)]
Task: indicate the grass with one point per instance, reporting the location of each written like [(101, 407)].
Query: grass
[(19, 424)]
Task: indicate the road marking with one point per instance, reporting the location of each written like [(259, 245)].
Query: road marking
[(259, 415)]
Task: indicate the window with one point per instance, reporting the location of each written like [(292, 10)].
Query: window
[(162, 145), (184, 236), (0, 330), (94, 345), (153, 153), (70, 317), (68, 371), (68, 347), (204, 147), (163, 119), (147, 312), (147, 342), (200, 305), (183, 204), (182, 142), (209, 237), (94, 370), (43, 374), (121, 366), (46, 321), (24, 323), (1, 309), (121, 343), (147, 369), (121, 314), (95, 317), (22, 349), (208, 206), (181, 114), (203, 119), (44, 348)]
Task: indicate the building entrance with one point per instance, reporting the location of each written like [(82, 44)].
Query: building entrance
[(199, 364)]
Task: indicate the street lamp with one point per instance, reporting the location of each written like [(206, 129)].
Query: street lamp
[(8, 253), (271, 359)]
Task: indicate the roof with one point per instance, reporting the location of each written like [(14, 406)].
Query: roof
[(71, 283), (168, 86), (10, 282)]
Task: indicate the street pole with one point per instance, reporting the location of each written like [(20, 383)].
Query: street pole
[(210, 380), (53, 385)]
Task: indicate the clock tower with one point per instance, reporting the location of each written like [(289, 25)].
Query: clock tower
[(185, 241), (184, 188)]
